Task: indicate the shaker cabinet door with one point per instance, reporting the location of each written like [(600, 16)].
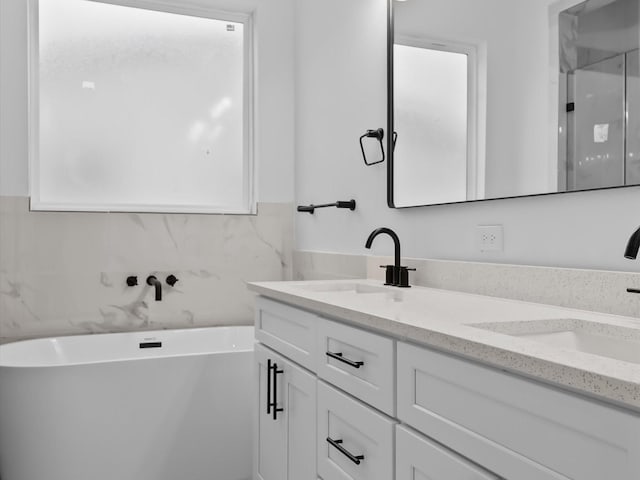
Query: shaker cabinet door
[(299, 393), (271, 435), (285, 429)]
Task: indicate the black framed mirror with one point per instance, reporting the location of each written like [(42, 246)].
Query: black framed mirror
[(496, 99)]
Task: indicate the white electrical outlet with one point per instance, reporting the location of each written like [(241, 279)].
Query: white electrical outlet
[(490, 238)]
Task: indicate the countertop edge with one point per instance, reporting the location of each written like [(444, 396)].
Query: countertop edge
[(620, 392)]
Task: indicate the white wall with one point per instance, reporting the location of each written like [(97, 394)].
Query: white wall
[(13, 98), (341, 91), (275, 109)]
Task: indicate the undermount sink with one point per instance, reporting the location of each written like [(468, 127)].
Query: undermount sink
[(357, 288), (345, 287), (611, 341)]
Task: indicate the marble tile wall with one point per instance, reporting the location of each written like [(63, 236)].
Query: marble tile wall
[(594, 290), (327, 266), (65, 273)]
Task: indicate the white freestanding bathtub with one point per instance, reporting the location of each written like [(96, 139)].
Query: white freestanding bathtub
[(166, 405)]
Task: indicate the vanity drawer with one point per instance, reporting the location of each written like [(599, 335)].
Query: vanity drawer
[(419, 457), (357, 429), (519, 429), (288, 330), (359, 362)]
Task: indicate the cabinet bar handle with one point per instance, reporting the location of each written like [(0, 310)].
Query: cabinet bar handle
[(339, 357), (337, 445), (274, 368), (268, 386)]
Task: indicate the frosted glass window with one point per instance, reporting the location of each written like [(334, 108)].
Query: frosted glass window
[(140, 110), (430, 118)]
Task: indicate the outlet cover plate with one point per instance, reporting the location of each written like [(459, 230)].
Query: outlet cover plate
[(490, 238)]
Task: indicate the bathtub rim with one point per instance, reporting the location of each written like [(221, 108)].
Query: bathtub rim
[(26, 346)]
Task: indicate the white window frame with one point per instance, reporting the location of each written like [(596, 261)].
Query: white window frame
[(249, 205), (476, 106)]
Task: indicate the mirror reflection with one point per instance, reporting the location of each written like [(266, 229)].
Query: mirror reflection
[(505, 98)]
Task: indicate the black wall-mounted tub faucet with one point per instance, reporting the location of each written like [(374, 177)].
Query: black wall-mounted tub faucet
[(152, 281), (397, 275)]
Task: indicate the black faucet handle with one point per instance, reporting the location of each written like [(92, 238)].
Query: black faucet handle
[(172, 280), (307, 209), (403, 277), (132, 281), (633, 290), (389, 274), (350, 204)]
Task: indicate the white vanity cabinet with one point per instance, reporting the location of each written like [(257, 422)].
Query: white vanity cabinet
[(288, 330), (359, 405), (355, 442), (331, 413), (518, 428), (285, 447), (358, 362), (419, 458)]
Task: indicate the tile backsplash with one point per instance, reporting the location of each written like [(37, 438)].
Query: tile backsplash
[(65, 272)]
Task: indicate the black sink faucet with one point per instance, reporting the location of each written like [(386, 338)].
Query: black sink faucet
[(633, 245), (152, 281), (397, 275), (631, 252), (394, 237)]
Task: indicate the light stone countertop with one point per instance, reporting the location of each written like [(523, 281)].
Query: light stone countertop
[(442, 319)]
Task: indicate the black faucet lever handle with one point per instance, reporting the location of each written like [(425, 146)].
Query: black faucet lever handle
[(172, 280), (403, 277)]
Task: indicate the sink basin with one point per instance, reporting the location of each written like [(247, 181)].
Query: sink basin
[(357, 288), (345, 287), (611, 341)]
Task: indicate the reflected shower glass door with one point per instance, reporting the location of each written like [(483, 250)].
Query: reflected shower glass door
[(633, 118), (596, 125)]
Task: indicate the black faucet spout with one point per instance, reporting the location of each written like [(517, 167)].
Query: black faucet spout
[(152, 281), (396, 275), (392, 234), (633, 246)]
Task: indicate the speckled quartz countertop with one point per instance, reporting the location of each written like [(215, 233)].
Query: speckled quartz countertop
[(478, 327)]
